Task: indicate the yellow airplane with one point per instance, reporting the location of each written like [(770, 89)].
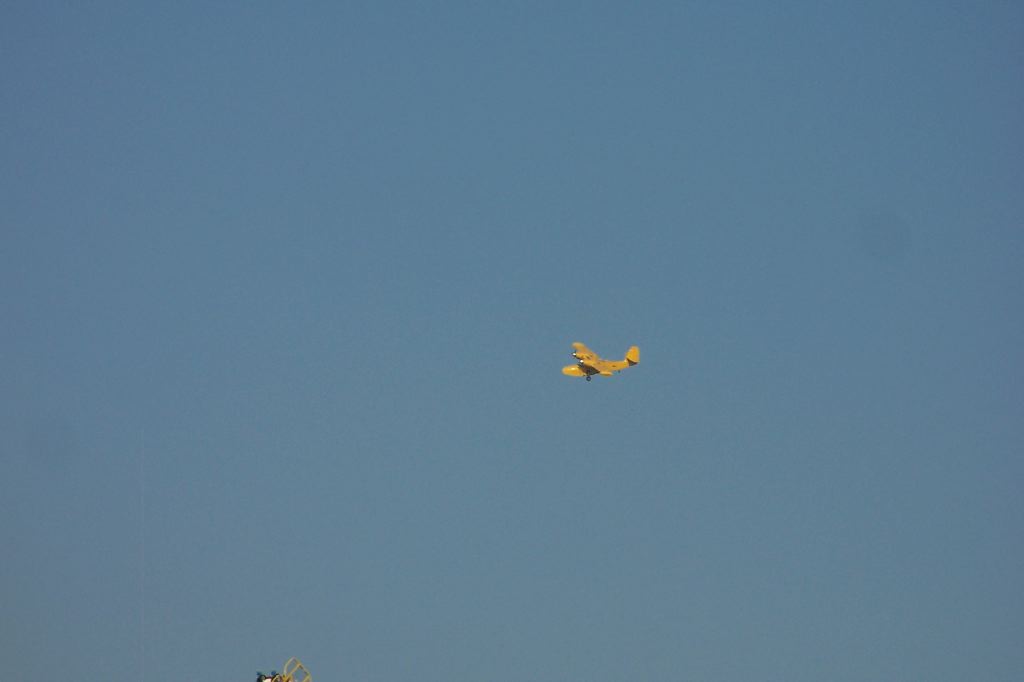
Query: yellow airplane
[(588, 363)]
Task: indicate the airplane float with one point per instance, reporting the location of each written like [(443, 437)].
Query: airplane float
[(588, 363)]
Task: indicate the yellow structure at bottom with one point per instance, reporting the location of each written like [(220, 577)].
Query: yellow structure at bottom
[(294, 671)]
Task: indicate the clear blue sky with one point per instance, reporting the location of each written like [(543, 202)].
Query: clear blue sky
[(285, 289)]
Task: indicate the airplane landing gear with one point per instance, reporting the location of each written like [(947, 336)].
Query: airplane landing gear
[(589, 377)]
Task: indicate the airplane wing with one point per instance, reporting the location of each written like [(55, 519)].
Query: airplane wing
[(583, 353)]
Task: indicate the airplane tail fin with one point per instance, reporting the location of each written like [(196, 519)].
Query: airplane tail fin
[(633, 355)]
